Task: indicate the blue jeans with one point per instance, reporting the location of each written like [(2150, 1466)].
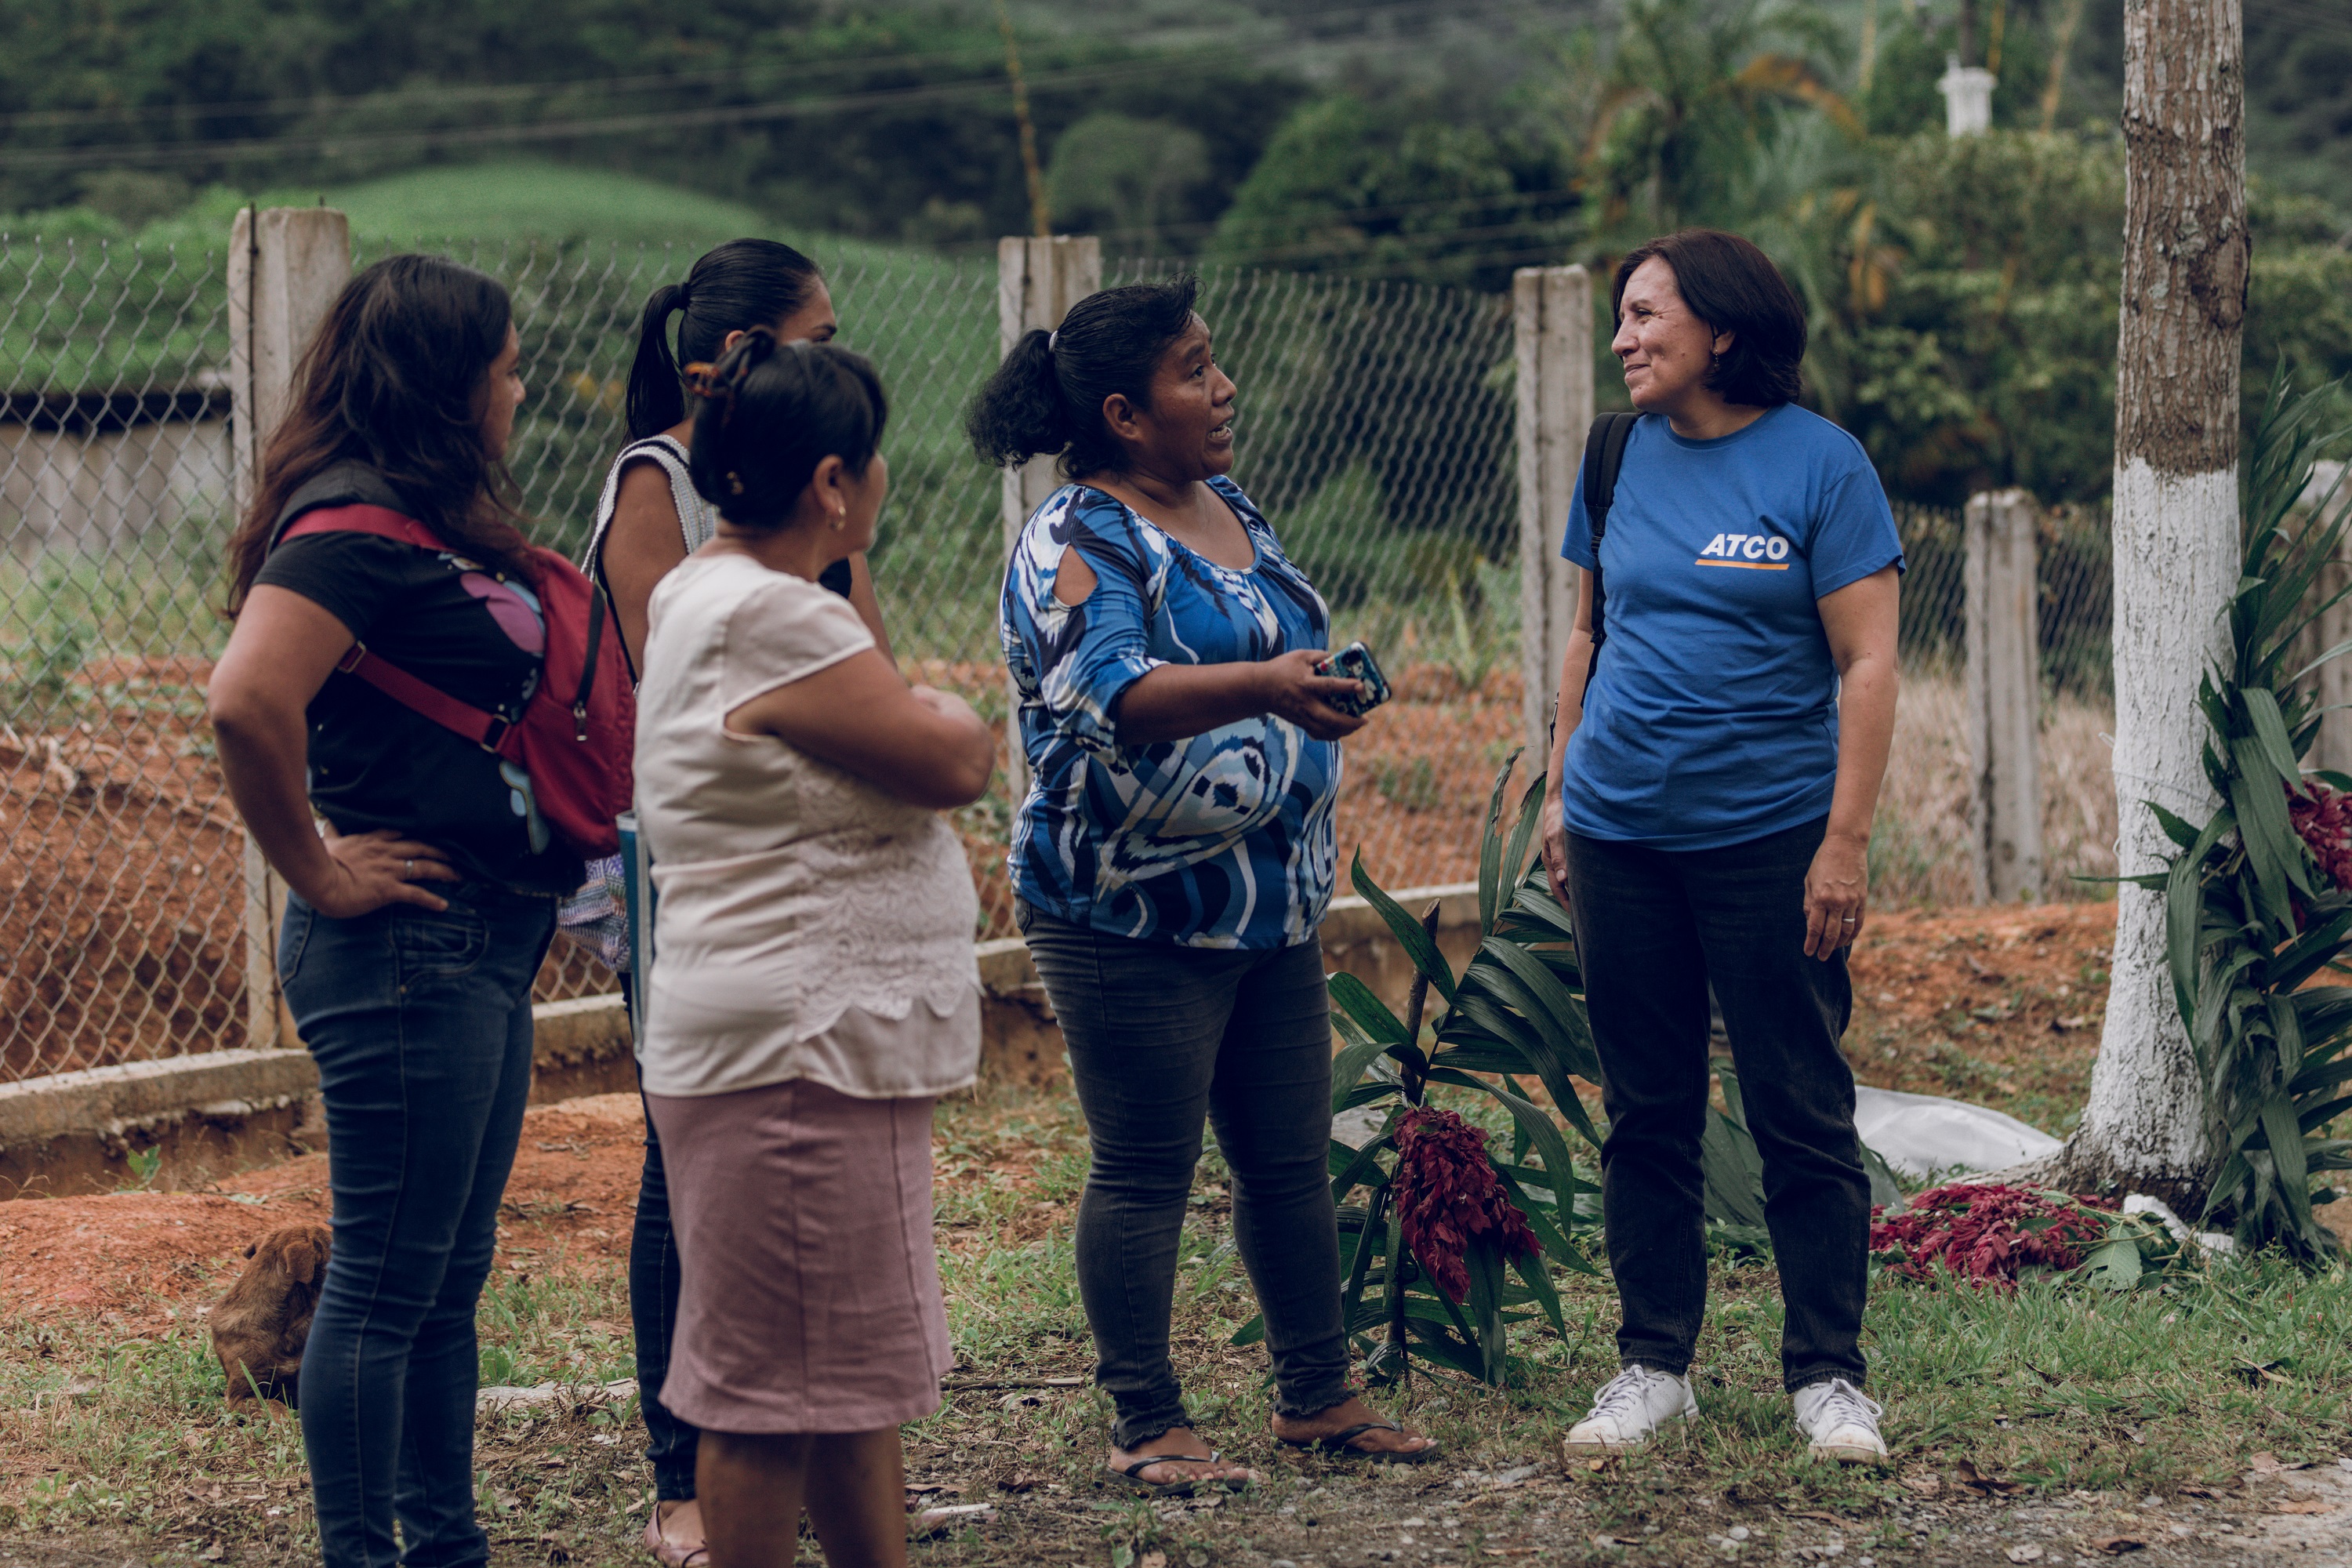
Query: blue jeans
[(420, 1024)]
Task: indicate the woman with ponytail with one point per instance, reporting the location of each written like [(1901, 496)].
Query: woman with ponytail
[(649, 519), (1173, 858), (817, 989)]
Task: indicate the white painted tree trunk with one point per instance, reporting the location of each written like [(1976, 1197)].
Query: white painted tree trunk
[(2176, 554)]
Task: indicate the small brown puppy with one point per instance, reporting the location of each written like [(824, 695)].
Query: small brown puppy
[(260, 1325)]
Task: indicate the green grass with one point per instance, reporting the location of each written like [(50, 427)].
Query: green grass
[(2087, 1403), (534, 199)]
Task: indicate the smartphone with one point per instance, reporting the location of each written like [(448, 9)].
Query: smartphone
[(1355, 662)]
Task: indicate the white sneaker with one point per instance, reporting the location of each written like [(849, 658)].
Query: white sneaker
[(1628, 1408), (1840, 1423)]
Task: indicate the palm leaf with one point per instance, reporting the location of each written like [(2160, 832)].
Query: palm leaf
[(1416, 943)]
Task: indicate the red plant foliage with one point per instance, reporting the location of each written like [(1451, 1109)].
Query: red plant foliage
[(1986, 1234), (2323, 818), (1448, 1196)]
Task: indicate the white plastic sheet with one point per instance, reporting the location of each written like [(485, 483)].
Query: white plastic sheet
[(1923, 1134)]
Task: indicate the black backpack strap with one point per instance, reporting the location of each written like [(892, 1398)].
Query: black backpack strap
[(1605, 454)]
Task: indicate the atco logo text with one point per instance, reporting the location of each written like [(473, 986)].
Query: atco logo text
[(1755, 552)]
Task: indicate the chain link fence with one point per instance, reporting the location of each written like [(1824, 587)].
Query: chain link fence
[(1376, 430), (1920, 849), (122, 927)]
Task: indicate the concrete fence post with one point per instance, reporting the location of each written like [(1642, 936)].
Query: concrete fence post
[(1037, 281), (2004, 697), (2333, 681), (1552, 337), (285, 266)]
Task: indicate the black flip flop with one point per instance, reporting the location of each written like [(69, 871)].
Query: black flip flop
[(1133, 1474), (1341, 1445)]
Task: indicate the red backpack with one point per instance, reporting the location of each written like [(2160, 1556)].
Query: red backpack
[(577, 735)]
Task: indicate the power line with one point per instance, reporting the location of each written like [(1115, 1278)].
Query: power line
[(331, 144), (983, 54)]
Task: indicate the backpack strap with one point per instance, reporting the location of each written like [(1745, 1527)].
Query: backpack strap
[(379, 520), (1605, 454), (487, 730)]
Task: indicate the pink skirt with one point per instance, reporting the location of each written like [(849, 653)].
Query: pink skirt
[(809, 1297)]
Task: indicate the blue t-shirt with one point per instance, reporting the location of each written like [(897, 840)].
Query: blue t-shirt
[(1222, 839), (1712, 718)]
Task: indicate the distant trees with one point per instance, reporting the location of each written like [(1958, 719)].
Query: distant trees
[(1393, 186), (1962, 295)]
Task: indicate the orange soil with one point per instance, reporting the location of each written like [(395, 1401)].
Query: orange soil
[(1999, 1006), (134, 1255), (568, 1204), (122, 904)]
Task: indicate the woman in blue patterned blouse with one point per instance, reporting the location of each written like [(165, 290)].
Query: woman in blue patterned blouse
[(1173, 858)]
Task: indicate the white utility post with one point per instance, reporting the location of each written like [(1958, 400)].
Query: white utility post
[(1037, 281), (1552, 314), (2004, 698), (285, 266)]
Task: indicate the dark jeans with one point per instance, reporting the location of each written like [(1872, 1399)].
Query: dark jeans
[(670, 1443), (1161, 1036), (420, 1024), (1654, 927)]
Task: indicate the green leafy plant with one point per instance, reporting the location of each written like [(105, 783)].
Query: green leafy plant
[(1444, 1221), (2259, 901), (146, 1164)]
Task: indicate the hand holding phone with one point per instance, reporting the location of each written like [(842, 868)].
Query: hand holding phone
[(1355, 662)]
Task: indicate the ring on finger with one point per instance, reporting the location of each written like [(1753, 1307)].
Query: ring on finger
[(408, 870)]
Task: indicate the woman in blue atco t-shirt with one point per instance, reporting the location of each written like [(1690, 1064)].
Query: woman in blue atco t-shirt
[(1708, 819)]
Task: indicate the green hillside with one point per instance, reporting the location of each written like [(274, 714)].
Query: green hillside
[(529, 199), (492, 203)]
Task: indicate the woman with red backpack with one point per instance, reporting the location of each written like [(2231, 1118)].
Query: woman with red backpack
[(396, 712)]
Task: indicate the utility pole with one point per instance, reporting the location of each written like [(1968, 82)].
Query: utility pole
[(1041, 215)]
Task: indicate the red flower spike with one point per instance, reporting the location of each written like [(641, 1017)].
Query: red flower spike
[(2323, 820), (1448, 1196), (1986, 1234)]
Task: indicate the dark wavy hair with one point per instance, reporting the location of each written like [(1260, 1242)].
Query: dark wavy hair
[(768, 412), (396, 379), (1050, 399), (742, 284), (1734, 287)]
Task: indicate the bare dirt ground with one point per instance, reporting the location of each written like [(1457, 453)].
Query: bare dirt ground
[(2001, 1006), (1974, 1002), (2026, 1447)]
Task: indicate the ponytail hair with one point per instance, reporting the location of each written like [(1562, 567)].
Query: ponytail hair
[(742, 284), (1048, 396), (767, 413)]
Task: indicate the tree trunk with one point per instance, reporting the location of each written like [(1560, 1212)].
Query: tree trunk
[(2176, 553)]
